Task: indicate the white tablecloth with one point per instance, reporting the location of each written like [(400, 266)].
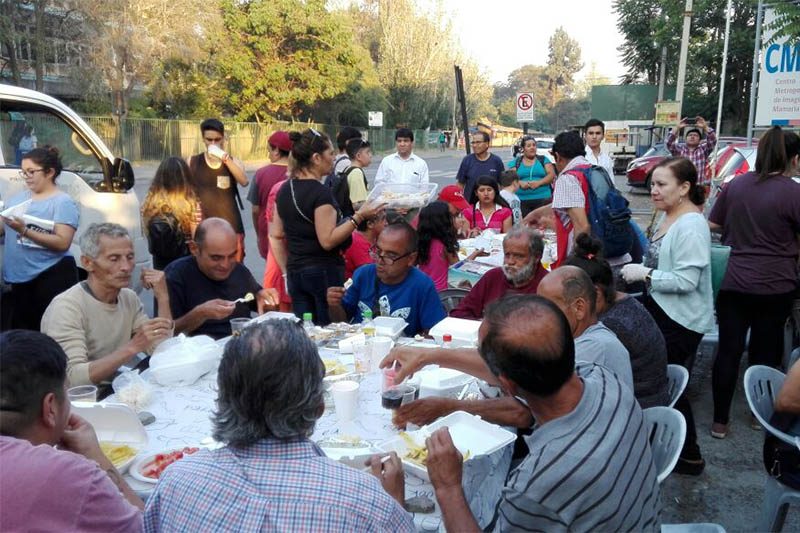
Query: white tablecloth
[(182, 417)]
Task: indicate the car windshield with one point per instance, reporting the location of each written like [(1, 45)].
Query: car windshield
[(658, 149)]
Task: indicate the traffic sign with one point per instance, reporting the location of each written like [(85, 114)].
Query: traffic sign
[(375, 119), (524, 107)]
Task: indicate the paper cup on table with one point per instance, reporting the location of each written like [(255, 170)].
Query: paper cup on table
[(82, 393), (345, 399), (380, 348)]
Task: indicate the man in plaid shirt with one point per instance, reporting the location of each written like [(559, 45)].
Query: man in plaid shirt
[(695, 151), (270, 476)]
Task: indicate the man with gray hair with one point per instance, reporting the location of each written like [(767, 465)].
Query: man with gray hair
[(269, 476), (100, 322), (521, 273)]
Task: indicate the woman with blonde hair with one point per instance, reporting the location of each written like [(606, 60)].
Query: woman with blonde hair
[(170, 212)]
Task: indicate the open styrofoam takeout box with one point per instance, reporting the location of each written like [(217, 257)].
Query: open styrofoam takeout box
[(470, 434), (115, 423)]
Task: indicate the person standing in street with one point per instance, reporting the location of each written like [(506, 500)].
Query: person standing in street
[(594, 132), (536, 175), (479, 163), (266, 177), (695, 151), (342, 160), (442, 141), (215, 175), (403, 166)]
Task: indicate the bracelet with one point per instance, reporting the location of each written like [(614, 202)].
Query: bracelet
[(353, 221)]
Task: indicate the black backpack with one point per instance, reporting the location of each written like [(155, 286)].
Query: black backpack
[(340, 187)]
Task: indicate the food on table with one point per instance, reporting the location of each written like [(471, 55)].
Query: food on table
[(333, 367), (117, 453), (318, 334), (343, 441), (161, 461), (136, 395), (419, 454)]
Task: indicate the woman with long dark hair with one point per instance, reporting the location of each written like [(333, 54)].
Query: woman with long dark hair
[(170, 212), (308, 235), (758, 214), (489, 209), (677, 274), (437, 247), (37, 263)]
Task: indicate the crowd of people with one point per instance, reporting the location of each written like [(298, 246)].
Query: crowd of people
[(571, 357)]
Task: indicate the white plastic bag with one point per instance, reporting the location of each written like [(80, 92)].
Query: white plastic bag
[(132, 390), (182, 360)]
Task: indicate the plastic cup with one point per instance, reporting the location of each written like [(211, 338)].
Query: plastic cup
[(362, 356), (82, 393), (380, 348), (345, 399), (238, 324), (409, 393)]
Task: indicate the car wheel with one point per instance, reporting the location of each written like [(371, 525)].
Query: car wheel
[(647, 183)]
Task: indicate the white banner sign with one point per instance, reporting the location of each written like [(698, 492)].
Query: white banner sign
[(375, 119), (778, 100)]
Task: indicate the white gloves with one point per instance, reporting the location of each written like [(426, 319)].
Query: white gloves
[(632, 272)]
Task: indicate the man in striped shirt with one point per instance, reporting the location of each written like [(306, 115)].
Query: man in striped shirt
[(589, 466)]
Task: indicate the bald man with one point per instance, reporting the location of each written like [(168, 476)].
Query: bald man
[(572, 290), (203, 287)]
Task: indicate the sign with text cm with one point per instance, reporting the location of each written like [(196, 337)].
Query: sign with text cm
[(524, 107)]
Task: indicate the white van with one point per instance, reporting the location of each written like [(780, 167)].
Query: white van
[(100, 183)]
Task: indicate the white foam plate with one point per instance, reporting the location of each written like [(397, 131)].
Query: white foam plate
[(115, 423)]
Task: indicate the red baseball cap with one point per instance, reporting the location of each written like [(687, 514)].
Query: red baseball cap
[(281, 141), (452, 194)]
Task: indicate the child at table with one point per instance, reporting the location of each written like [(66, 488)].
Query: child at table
[(509, 183), (489, 210)]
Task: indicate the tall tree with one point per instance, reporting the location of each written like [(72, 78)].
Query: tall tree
[(563, 62)]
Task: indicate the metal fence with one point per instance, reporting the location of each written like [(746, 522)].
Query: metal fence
[(141, 139)]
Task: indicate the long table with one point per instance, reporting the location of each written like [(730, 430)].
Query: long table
[(182, 418)]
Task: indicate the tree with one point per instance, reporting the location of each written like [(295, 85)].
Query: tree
[(285, 56), (787, 19), (563, 62), (527, 78)]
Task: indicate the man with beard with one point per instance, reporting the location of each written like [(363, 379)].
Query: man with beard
[(520, 274)]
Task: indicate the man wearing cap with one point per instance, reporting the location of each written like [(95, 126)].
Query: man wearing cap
[(266, 177), (453, 195), (215, 175), (695, 151)]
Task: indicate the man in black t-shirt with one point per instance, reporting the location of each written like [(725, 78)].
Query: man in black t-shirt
[(203, 287)]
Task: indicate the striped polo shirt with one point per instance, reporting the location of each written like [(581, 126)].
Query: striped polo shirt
[(590, 470)]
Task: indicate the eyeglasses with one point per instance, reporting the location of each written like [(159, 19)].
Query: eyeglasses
[(388, 260), (30, 173)]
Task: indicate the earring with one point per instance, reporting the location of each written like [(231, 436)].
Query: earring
[(680, 200)]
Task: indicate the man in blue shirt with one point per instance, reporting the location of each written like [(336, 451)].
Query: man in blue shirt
[(390, 287), (479, 163)]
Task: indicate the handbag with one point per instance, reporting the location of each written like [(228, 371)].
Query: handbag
[(719, 264)]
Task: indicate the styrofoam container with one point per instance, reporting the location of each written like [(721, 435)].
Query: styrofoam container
[(184, 361), (346, 344), (387, 326), (460, 329), (442, 382), (116, 423), (470, 434)]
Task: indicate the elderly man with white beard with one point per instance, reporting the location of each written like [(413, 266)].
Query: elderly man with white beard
[(520, 274)]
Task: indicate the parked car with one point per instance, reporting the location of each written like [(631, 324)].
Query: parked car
[(100, 182), (544, 146), (639, 169)]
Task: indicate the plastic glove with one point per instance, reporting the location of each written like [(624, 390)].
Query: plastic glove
[(632, 273)]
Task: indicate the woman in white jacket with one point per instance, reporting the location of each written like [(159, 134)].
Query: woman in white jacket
[(677, 272)]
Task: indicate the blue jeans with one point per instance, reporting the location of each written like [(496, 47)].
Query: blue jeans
[(308, 288)]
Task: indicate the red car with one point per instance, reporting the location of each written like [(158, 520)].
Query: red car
[(639, 169)]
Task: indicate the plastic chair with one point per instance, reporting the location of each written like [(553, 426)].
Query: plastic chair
[(666, 430), (450, 298), (761, 386), (678, 378), (701, 527)]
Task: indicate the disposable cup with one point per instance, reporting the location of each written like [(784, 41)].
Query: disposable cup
[(345, 399), (238, 324), (362, 356), (380, 348), (82, 393)]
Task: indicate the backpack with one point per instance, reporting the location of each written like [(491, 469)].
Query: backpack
[(340, 187), (609, 214), (518, 161)]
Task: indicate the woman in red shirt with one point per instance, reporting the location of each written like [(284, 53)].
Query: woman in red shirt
[(490, 210), (363, 238)]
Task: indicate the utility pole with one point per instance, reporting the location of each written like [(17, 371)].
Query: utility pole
[(751, 117), (687, 23), (463, 100)]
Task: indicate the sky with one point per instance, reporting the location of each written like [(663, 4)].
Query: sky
[(502, 35)]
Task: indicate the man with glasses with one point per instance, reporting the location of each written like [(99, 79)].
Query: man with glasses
[(479, 163), (215, 175), (392, 286)]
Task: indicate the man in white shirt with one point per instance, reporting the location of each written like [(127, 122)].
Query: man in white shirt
[(594, 132), (403, 166)]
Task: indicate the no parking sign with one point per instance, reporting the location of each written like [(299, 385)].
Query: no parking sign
[(524, 107)]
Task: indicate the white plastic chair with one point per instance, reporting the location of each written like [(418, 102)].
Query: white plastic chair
[(761, 386), (666, 430), (678, 378)]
